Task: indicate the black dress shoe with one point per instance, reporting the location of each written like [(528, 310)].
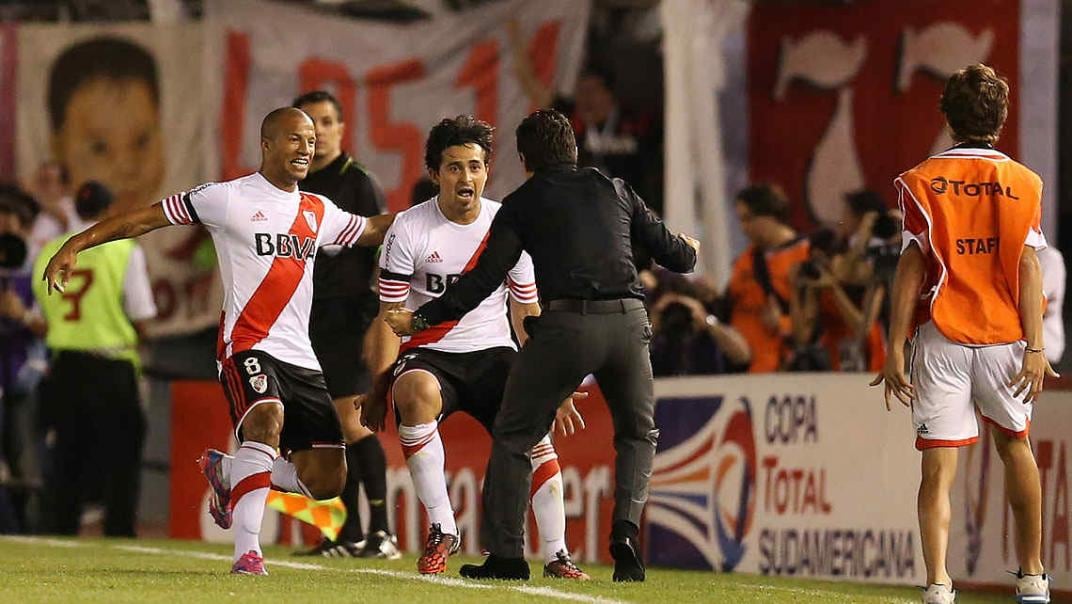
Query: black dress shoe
[(494, 567), (627, 564)]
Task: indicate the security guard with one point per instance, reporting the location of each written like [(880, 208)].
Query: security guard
[(90, 396), (580, 228)]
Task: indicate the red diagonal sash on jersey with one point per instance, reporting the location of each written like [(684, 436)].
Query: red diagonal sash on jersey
[(436, 333), (278, 286)]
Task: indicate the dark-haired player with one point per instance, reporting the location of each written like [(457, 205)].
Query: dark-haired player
[(458, 365)]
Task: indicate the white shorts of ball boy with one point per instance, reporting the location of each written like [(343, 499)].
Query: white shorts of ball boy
[(952, 380)]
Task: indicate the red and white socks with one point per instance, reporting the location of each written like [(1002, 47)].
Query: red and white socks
[(250, 478), (285, 477), (547, 499), (423, 450)]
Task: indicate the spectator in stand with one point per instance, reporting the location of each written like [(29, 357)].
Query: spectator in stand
[(1053, 285), (688, 338), (618, 142), (21, 352), (759, 287), (51, 189)]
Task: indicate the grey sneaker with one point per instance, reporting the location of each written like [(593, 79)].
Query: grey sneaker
[(1032, 589), (938, 593)]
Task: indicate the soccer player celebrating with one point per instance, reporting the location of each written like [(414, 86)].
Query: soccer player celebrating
[(266, 234), (459, 365), (970, 276)]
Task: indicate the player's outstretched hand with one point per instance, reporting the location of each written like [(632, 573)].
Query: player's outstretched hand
[(568, 419), (1033, 372), (896, 381), (400, 320), (59, 268)]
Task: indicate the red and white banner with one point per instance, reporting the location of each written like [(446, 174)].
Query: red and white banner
[(791, 475), (824, 98), (166, 107), (394, 81), (123, 105)]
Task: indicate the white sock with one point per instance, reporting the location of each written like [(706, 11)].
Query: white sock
[(251, 471), (423, 450), (285, 477), (547, 503)]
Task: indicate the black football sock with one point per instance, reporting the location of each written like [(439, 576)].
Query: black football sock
[(368, 454), (351, 528)]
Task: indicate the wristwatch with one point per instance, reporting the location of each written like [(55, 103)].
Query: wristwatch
[(711, 320), (419, 323)]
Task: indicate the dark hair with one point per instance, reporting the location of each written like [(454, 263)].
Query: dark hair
[(545, 138), (825, 240), (104, 57), (461, 130), (975, 103), (600, 73), (318, 96), (91, 200), (865, 200), (423, 190), (765, 199), (14, 200)]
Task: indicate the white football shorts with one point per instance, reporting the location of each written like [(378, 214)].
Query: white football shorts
[(952, 380)]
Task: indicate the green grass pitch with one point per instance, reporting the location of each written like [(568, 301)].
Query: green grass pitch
[(112, 571)]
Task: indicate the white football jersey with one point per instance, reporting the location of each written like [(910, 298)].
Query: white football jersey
[(266, 240), (424, 253)]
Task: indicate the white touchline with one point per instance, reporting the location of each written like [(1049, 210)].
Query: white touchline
[(827, 594), (546, 592)]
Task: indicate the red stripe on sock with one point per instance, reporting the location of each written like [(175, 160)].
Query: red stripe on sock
[(260, 480), (545, 472), (412, 449)]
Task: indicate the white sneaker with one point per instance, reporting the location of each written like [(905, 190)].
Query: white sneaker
[(1032, 589), (938, 593)]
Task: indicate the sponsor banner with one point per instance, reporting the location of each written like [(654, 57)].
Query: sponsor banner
[(982, 542), (393, 81), (795, 475), (122, 105), (791, 475)]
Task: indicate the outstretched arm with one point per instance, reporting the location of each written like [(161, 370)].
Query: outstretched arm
[(501, 253), (375, 230), (674, 252), (129, 225)]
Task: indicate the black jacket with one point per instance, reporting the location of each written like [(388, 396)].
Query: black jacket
[(580, 228)]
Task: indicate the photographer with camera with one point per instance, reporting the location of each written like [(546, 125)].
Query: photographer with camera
[(688, 338), (759, 287), (840, 291)]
